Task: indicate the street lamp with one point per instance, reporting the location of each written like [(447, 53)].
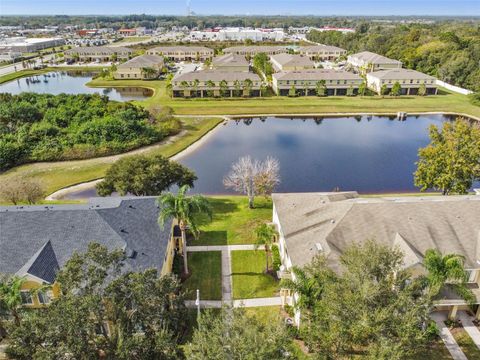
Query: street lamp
[(197, 302)]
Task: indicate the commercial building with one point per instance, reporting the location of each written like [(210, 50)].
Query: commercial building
[(237, 34), (322, 52), (37, 241), (409, 80), (231, 62), (98, 53), (207, 83), (313, 224), (305, 82), (367, 61), (141, 67), (183, 53), (26, 45), (289, 62), (251, 51)]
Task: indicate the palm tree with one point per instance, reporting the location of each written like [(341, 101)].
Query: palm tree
[(247, 86), (148, 72), (442, 269), (238, 87), (11, 296), (184, 84), (265, 235), (196, 83), (210, 85), (185, 209), (223, 88)]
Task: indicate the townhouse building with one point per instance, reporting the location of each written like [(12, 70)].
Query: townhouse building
[(183, 53), (142, 67), (409, 80)]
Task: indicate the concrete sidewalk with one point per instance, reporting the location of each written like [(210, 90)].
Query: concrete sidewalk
[(447, 337), (470, 327), (258, 302)]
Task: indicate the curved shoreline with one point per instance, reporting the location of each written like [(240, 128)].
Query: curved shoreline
[(61, 193)]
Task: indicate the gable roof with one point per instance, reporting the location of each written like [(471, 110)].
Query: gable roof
[(370, 57), (336, 220), (230, 60), (142, 61), (43, 264), (117, 223), (106, 50), (255, 49), (321, 49), (316, 74), (400, 74), (180, 48), (217, 75), (292, 60)]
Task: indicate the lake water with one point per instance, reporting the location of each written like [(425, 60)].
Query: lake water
[(369, 154), (71, 82)]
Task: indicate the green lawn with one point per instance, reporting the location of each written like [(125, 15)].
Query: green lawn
[(248, 277), (233, 222), (60, 174), (205, 274), (466, 343), (445, 102)]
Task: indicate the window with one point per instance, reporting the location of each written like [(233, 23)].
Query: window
[(44, 297), (26, 297)]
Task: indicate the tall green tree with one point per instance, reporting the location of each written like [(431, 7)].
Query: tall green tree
[(396, 89), (446, 270), (235, 335), (265, 235), (247, 87), (11, 297), (142, 175), (422, 90), (185, 209), (372, 305), (149, 72), (104, 312), (210, 85), (223, 88), (451, 162), (321, 88)]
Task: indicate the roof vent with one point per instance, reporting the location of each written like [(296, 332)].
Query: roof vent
[(124, 231), (332, 221), (319, 247)]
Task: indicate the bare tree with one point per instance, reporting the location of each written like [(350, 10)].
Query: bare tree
[(32, 191), (16, 191), (253, 177), (11, 191)]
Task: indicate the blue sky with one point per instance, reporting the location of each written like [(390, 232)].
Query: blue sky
[(228, 7)]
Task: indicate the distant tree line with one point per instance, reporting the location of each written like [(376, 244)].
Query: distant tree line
[(449, 51), (43, 127)]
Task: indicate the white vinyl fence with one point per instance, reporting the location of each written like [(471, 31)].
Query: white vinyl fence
[(454, 88)]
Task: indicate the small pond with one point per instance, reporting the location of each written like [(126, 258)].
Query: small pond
[(369, 154), (71, 82)]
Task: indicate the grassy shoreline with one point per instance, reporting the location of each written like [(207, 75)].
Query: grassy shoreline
[(31, 72), (447, 102), (61, 174)]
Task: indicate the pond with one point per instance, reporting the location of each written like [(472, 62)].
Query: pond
[(71, 82), (368, 154)]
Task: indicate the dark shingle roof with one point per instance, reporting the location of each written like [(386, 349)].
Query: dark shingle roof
[(43, 264), (125, 223)]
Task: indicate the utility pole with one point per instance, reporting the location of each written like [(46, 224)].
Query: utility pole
[(197, 302)]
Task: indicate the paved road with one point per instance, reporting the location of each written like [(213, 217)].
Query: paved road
[(18, 66)]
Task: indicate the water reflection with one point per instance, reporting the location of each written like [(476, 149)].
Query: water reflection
[(369, 154), (72, 82)]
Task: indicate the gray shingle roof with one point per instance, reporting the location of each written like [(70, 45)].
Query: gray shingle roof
[(400, 74), (320, 49), (142, 61), (180, 48), (43, 264), (230, 60), (292, 60), (370, 57), (316, 74), (336, 220), (255, 49), (217, 75), (91, 50), (125, 223)]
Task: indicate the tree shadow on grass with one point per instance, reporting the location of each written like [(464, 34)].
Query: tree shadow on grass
[(220, 208), (213, 237)]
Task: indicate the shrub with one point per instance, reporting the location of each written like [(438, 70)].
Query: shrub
[(276, 258)]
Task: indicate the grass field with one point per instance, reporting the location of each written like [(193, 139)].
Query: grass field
[(206, 275), (466, 343), (60, 174), (446, 102), (233, 222), (248, 276)]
